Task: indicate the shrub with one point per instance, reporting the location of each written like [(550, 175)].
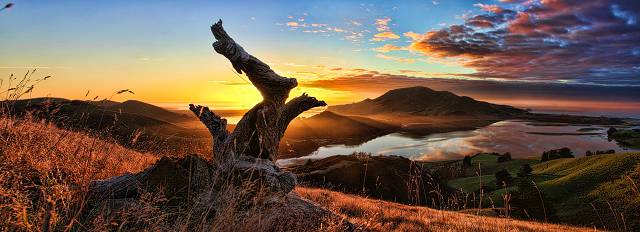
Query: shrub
[(525, 170), (531, 203), (504, 158), (466, 162), (557, 154), (503, 178)]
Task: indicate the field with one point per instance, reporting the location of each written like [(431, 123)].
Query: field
[(378, 215), (598, 190), (43, 169)]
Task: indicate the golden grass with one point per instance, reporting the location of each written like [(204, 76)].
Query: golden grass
[(377, 215), (41, 167), (44, 170)]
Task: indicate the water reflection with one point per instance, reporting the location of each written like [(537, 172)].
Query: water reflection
[(521, 138)]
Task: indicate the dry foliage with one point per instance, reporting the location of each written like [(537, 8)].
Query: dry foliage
[(44, 170), (41, 167), (377, 215)]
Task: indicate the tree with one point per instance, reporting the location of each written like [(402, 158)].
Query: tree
[(531, 202), (466, 162), (557, 154), (503, 178), (246, 154), (259, 131), (525, 170), (505, 157)]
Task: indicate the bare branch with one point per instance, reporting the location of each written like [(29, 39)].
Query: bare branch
[(217, 126), (273, 87), (297, 106)]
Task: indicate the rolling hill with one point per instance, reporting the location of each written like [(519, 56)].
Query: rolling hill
[(423, 101), (119, 121), (305, 135), (597, 191), (148, 110), (38, 174)]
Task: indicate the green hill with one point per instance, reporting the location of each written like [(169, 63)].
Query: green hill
[(600, 190)]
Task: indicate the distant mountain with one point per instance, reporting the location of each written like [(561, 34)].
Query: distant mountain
[(423, 101), (331, 125), (148, 110), (132, 126), (305, 135)]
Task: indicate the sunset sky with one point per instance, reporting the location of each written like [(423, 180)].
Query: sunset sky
[(549, 54)]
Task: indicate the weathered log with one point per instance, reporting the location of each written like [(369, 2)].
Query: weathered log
[(181, 178), (242, 158), (260, 130)]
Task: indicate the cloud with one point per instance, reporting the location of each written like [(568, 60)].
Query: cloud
[(586, 42), (383, 24), (395, 58), (383, 36), (489, 8), (388, 47), (412, 35), (385, 33), (375, 83), (294, 24), (326, 30)]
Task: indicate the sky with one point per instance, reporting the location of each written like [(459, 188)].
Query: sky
[(541, 54)]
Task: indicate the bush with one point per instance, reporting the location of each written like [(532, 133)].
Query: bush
[(525, 170), (599, 152), (557, 154), (466, 162), (531, 203), (504, 158), (503, 178)]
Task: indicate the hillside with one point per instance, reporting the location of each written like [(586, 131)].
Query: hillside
[(128, 128), (608, 183), (378, 215), (423, 101), (391, 178), (43, 167), (601, 189), (341, 127), (305, 135), (148, 110)]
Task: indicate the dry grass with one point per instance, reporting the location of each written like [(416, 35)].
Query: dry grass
[(41, 167), (377, 215), (44, 170)]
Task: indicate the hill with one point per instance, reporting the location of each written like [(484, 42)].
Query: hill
[(331, 125), (43, 167), (601, 189), (148, 110), (379, 215), (391, 178), (128, 128), (305, 135), (423, 101)]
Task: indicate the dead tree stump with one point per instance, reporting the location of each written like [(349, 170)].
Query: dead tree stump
[(247, 153)]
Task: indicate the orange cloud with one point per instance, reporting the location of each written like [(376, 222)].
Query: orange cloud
[(388, 47), (489, 8), (412, 35), (395, 58), (383, 24), (387, 35)]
